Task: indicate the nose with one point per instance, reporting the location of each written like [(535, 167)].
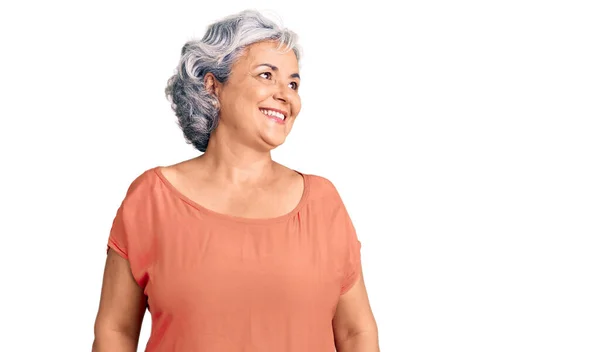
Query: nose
[(282, 93)]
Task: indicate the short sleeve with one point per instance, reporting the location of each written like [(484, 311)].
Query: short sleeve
[(350, 252), (343, 233), (130, 234), (117, 239)]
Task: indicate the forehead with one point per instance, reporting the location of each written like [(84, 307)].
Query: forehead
[(267, 52)]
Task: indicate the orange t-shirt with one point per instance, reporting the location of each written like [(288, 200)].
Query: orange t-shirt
[(216, 282)]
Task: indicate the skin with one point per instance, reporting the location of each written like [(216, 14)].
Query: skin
[(237, 176)]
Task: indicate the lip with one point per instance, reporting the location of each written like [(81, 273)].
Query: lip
[(285, 114)]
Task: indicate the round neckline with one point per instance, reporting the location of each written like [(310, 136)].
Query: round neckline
[(214, 214)]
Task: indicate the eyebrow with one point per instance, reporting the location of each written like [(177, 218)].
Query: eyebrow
[(275, 68)]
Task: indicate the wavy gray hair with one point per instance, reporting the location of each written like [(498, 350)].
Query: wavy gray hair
[(197, 109)]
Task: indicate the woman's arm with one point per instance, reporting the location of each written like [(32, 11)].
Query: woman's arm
[(354, 325), (122, 308)]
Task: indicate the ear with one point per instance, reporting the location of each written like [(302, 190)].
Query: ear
[(212, 84)]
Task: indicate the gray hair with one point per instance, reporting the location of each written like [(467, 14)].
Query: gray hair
[(197, 109)]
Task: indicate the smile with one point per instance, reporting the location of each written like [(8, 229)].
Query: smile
[(276, 114)]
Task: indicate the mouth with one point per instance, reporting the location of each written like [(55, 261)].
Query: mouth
[(274, 114)]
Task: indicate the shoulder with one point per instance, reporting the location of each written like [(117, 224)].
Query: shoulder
[(330, 209), (323, 189), (143, 183)]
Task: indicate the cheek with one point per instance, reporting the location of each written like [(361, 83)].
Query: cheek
[(296, 105), (260, 92), (253, 88)]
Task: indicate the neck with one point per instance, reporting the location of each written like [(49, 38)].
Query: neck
[(234, 162)]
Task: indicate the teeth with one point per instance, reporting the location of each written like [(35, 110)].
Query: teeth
[(273, 113)]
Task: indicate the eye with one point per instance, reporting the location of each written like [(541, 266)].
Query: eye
[(267, 75), (294, 85)]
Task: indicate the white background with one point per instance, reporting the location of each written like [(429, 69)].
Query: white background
[(463, 136)]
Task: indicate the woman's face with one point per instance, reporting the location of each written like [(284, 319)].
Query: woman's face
[(260, 101)]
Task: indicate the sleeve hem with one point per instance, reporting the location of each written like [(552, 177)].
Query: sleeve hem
[(351, 279), (112, 244)]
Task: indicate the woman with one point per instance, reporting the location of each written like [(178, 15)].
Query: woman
[(231, 251)]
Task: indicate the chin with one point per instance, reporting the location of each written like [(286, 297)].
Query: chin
[(273, 142), (274, 135)]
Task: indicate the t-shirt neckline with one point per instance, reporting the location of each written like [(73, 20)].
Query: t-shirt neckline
[(214, 214)]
